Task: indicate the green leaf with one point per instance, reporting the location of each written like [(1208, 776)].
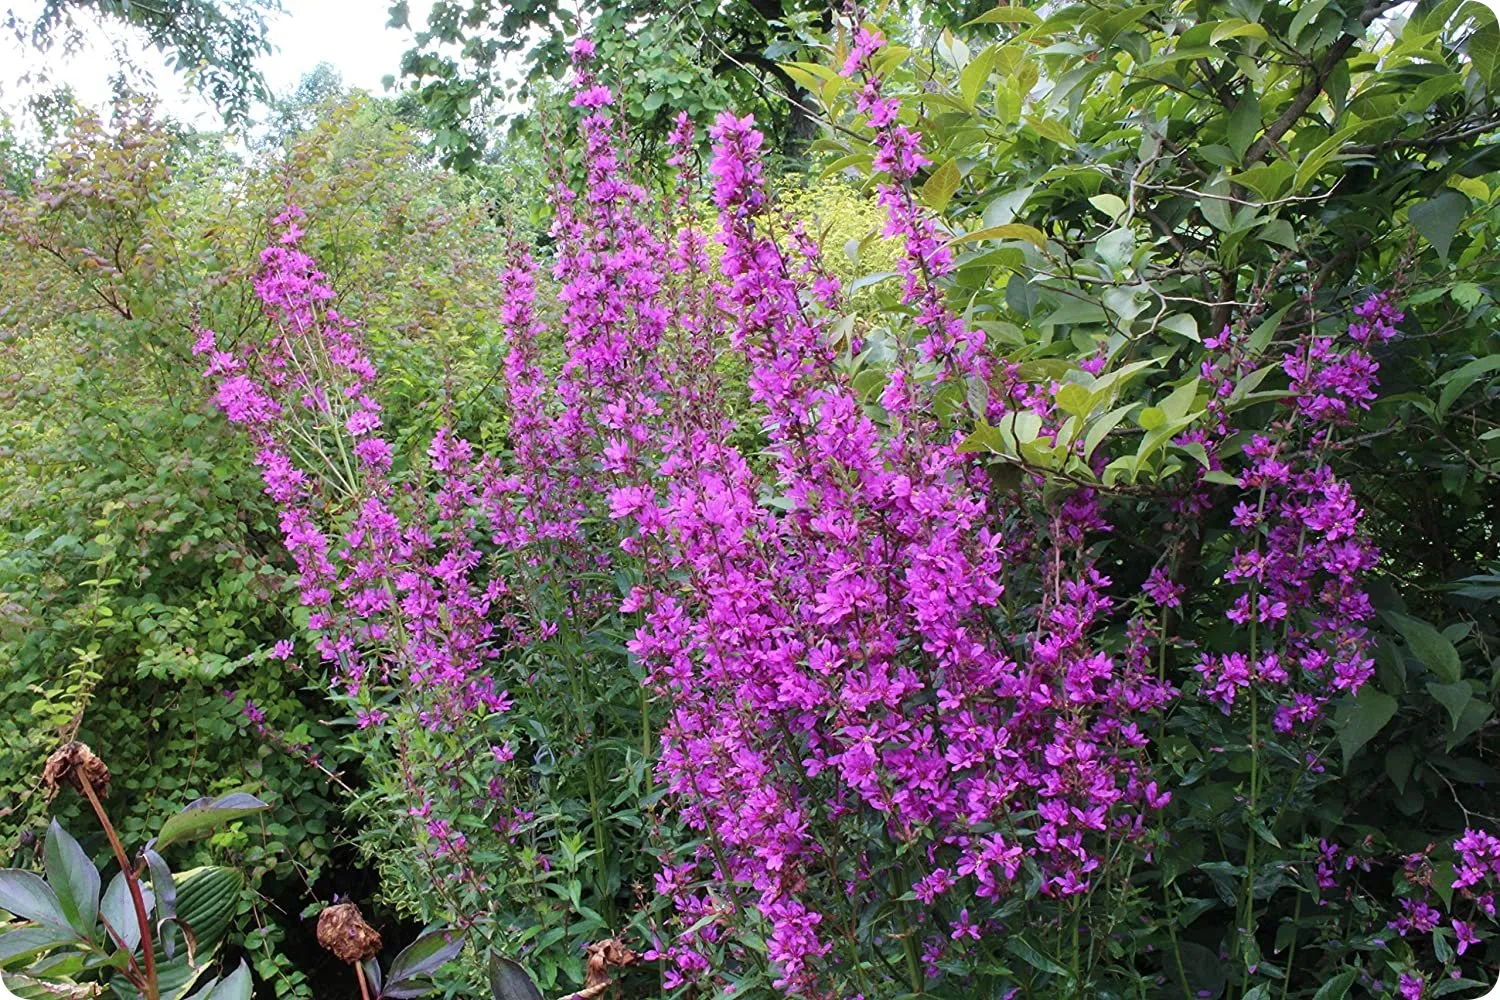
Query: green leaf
[(1009, 231), (1112, 206), (1305, 16), (29, 939), (1398, 764), (1180, 401), (1235, 27), (1359, 718), (1454, 697), (235, 986), (1459, 382), (119, 910), (939, 187), (164, 887), (1279, 232), (421, 959), (1438, 219), (74, 879), (1428, 645), (1338, 986), (1005, 14), (1028, 954), (26, 896), (1484, 51), (1116, 248), (508, 981), (1314, 161), (1100, 428), (1244, 123), (1075, 399), (974, 75), (203, 815)]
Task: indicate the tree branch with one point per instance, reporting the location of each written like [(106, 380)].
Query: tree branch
[(1322, 69)]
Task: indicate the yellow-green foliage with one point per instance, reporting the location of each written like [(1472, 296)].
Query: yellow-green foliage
[(847, 223)]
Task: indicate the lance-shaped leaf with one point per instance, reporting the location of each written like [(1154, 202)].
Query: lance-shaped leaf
[(165, 890), (204, 815), (235, 986), (508, 981), (74, 880), (118, 910), (30, 939), (372, 975), (26, 896), (418, 961)]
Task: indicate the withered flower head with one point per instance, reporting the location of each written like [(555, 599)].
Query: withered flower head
[(343, 931), (603, 956), (73, 764)]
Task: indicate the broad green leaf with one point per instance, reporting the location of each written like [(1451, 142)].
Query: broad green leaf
[(938, 190), (1338, 986), (1177, 404), (1360, 717), (1075, 399), (1438, 219), (1279, 232), (203, 815), (1484, 50), (1244, 123), (29, 939), (1459, 382), (74, 879), (119, 909), (1216, 210), (1116, 248), (975, 74), (1184, 324), (1305, 15), (235, 986), (164, 887), (1475, 714), (1398, 764), (421, 959), (1428, 645), (508, 981), (26, 896), (1051, 130), (1454, 697), (1112, 206), (1235, 27)]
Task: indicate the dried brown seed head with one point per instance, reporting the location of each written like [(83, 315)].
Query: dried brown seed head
[(603, 956), (343, 931), (73, 764)]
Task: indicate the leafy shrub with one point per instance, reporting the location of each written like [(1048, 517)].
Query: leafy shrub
[(142, 593)]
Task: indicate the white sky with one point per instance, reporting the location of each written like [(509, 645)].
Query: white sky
[(350, 35)]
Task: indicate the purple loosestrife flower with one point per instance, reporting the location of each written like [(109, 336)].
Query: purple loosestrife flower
[(831, 659)]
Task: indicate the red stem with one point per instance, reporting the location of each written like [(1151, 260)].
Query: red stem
[(151, 989)]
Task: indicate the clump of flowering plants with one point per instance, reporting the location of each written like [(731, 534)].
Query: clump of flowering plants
[(974, 675)]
